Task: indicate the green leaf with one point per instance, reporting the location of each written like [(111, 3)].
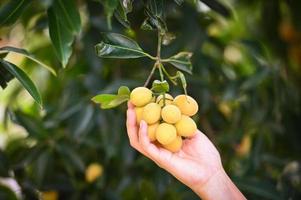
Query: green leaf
[(123, 90), (103, 98), (5, 76), (118, 46), (11, 11), (154, 19), (179, 2), (108, 101), (27, 55), (116, 101), (127, 5), (109, 6), (183, 81), (218, 7), (71, 155), (41, 165), (24, 80), (121, 15), (33, 126), (61, 38), (160, 86), (181, 61), (168, 38), (67, 13)]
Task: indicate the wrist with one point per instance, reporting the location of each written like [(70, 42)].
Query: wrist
[(218, 186)]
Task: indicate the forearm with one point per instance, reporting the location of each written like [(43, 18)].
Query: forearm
[(219, 187)]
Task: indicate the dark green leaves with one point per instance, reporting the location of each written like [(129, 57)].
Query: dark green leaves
[(24, 80), (109, 6), (25, 53), (160, 86), (60, 37), (118, 46), (10, 12), (5, 76), (64, 24), (154, 16), (181, 61), (107, 101), (68, 15)]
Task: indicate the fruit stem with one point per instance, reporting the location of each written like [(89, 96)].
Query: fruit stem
[(150, 76)]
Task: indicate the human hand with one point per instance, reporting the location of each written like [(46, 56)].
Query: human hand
[(196, 164)]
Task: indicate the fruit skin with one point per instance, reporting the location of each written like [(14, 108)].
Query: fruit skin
[(171, 114), (151, 131), (140, 96), (186, 104), (166, 133), (186, 127), (138, 111), (168, 100), (175, 145), (151, 113), (93, 171)]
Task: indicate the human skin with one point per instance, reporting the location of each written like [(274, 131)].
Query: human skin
[(197, 165)]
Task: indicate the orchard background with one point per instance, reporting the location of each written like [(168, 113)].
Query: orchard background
[(246, 78)]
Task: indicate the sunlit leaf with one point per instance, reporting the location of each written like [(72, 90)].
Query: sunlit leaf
[(27, 55)]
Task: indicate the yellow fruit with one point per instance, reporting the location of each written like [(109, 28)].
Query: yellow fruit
[(138, 111), (186, 127), (93, 171), (168, 99), (141, 96), (151, 113), (171, 114), (166, 133), (175, 145), (49, 195), (186, 104), (151, 131)]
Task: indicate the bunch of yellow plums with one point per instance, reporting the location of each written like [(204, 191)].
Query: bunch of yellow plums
[(169, 119)]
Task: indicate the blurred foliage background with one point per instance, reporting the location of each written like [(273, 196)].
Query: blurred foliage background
[(246, 79)]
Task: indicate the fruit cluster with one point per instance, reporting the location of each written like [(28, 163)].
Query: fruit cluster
[(169, 119)]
